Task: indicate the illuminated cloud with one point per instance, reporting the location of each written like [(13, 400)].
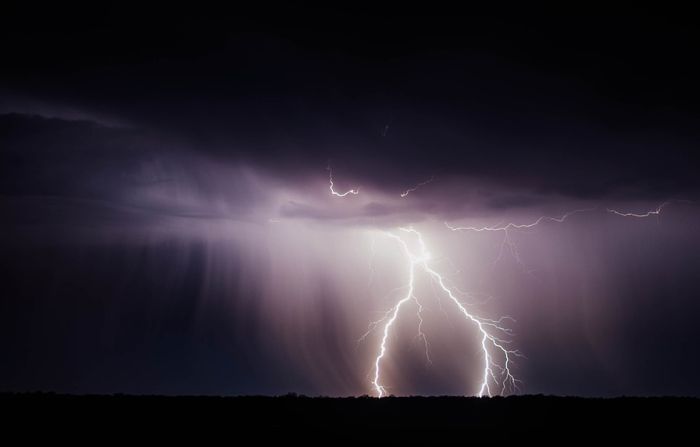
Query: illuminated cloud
[(171, 222)]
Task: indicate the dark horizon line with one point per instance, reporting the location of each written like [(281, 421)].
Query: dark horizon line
[(293, 395)]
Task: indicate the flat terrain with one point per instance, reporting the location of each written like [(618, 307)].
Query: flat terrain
[(405, 420)]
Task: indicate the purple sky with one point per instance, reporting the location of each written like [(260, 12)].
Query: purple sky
[(169, 228)]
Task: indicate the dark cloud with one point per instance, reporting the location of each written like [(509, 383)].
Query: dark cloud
[(122, 167), (167, 224), (549, 105)]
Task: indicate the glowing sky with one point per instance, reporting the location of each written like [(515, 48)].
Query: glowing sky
[(169, 223)]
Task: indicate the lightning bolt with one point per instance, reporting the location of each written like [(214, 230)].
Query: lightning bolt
[(494, 336), (508, 227), (654, 212), (410, 190), (492, 343), (493, 333), (514, 226), (354, 191)]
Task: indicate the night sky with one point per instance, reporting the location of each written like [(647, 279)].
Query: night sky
[(168, 227)]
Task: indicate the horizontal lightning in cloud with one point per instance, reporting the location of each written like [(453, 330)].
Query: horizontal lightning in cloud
[(514, 226), (410, 190), (513, 248), (655, 212), (508, 240)]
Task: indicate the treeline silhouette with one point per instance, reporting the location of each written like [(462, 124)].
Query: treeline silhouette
[(250, 420)]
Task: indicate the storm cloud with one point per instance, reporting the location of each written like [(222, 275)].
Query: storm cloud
[(168, 224)]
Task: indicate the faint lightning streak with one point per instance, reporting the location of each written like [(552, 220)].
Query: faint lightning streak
[(654, 212), (515, 226), (487, 338), (410, 190), (421, 334), (354, 191), (508, 240), (371, 265)]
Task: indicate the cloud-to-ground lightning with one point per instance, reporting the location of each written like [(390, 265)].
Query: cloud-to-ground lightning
[(353, 191), (494, 336), (491, 332), (418, 185)]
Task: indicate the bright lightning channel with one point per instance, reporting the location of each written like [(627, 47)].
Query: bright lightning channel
[(494, 336), (354, 191), (491, 331)]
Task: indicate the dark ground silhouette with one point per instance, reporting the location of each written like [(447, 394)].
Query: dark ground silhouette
[(331, 421)]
